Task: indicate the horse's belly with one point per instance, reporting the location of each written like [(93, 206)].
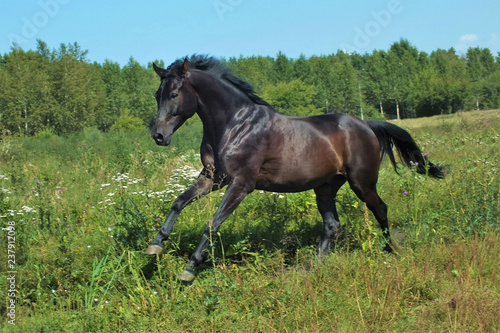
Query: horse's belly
[(290, 178), (287, 188)]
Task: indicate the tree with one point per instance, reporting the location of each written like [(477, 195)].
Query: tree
[(336, 81), (491, 90), (442, 86), (293, 98), (283, 68), (140, 85), (114, 89), (346, 86), (24, 86), (480, 64), (403, 65), (376, 79), (324, 79), (302, 70), (76, 90), (256, 70), (61, 91)]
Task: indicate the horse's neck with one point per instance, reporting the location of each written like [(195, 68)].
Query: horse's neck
[(216, 106), (211, 125)]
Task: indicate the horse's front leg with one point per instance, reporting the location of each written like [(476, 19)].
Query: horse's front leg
[(235, 193), (201, 187)]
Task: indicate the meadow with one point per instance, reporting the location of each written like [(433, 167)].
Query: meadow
[(84, 207)]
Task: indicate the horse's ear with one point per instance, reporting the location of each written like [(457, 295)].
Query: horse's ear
[(160, 71), (185, 67)]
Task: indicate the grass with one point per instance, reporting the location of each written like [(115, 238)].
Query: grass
[(86, 206)]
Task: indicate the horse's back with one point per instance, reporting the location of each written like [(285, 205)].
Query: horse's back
[(305, 152)]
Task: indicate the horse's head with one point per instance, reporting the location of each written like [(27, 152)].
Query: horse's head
[(177, 101)]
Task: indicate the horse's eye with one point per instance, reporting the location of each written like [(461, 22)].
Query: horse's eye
[(173, 95)]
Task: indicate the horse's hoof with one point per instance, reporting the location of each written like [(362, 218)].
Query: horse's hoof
[(153, 249), (186, 276)]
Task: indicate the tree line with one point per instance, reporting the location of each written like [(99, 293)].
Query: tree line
[(61, 91)]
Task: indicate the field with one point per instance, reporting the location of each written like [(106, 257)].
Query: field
[(83, 208)]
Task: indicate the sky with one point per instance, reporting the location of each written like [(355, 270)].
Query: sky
[(149, 30)]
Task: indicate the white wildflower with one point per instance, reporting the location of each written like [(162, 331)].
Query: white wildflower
[(29, 209)]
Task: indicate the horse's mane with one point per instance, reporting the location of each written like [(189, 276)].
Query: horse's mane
[(220, 70)]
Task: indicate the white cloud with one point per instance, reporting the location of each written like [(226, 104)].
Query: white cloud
[(492, 42), (466, 41), (469, 38)]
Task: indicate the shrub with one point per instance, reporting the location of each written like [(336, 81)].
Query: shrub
[(127, 122)]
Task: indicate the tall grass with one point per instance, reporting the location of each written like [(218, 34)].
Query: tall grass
[(85, 207)]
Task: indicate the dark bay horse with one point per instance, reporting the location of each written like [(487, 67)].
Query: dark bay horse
[(247, 145)]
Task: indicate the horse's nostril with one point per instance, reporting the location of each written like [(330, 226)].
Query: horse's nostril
[(158, 138)]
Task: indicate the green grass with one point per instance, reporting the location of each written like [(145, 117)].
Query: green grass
[(86, 206)]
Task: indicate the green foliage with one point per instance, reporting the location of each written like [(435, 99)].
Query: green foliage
[(24, 85), (491, 90), (377, 85), (116, 98), (402, 67), (59, 89), (480, 65), (254, 69), (293, 98), (127, 122), (337, 84), (46, 133), (283, 68), (140, 85), (444, 84), (303, 70), (62, 91)]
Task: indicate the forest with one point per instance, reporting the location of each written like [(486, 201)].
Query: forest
[(61, 91)]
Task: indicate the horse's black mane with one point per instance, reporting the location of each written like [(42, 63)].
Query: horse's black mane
[(220, 70)]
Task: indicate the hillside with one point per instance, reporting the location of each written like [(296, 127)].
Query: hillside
[(83, 207)]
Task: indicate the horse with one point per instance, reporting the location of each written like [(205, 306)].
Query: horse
[(247, 145)]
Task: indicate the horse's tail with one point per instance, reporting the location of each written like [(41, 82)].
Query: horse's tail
[(390, 135)]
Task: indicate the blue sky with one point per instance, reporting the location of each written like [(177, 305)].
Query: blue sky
[(167, 30)]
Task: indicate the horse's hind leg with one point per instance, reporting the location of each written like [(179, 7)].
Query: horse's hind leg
[(325, 199), (369, 195)]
